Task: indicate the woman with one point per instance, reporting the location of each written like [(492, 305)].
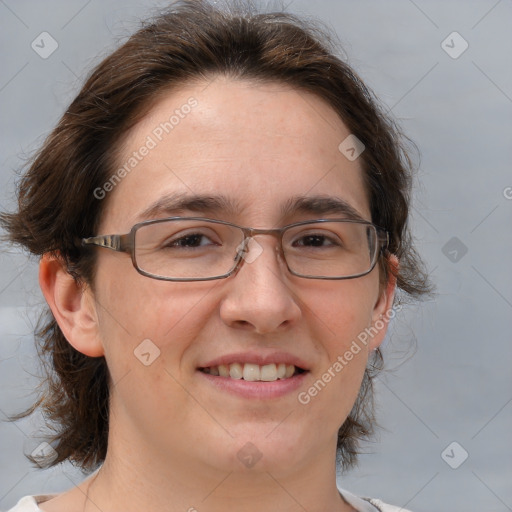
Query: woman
[(221, 216)]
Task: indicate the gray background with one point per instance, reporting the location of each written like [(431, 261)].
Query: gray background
[(452, 382)]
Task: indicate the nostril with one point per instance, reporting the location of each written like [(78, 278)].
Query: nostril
[(242, 323)]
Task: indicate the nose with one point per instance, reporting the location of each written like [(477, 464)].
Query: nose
[(259, 296)]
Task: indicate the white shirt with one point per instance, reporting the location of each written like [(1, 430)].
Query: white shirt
[(29, 504)]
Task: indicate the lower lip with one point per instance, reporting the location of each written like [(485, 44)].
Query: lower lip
[(256, 389)]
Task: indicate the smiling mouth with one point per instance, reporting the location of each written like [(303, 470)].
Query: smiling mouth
[(253, 372)]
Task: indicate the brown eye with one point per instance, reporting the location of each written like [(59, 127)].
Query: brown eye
[(193, 240)]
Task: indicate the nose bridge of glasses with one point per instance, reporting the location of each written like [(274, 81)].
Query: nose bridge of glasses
[(252, 232), (251, 248)]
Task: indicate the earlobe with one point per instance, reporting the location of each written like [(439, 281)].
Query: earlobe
[(382, 310), (72, 305)]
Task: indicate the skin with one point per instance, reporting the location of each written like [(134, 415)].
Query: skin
[(174, 438)]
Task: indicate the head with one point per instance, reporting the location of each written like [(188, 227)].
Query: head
[(253, 108)]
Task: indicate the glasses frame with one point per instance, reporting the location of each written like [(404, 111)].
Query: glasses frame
[(126, 243)]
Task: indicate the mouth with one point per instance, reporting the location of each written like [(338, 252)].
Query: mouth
[(255, 377), (253, 372)]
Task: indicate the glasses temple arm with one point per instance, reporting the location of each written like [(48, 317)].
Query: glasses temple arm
[(120, 243)]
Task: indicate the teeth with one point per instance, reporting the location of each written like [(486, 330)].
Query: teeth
[(253, 372), (236, 371), (268, 373), (289, 371), (223, 370)]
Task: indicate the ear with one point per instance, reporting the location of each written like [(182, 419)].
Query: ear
[(72, 305), (382, 310)]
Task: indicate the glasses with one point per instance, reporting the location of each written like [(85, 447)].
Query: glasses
[(200, 249)]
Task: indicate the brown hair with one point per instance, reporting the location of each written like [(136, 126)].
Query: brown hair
[(191, 40)]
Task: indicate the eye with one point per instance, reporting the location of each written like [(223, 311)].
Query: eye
[(191, 240), (326, 239), (195, 240)]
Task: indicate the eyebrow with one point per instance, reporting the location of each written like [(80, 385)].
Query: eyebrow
[(174, 204), (320, 205)]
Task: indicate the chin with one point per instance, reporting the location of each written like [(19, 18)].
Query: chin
[(258, 449)]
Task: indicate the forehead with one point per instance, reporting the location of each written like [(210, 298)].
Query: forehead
[(257, 145)]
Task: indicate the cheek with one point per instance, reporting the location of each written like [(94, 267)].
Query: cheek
[(342, 312), (138, 315), (147, 326), (341, 315)]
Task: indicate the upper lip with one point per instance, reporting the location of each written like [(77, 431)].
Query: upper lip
[(257, 357)]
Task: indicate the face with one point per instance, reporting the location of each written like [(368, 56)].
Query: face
[(261, 147)]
